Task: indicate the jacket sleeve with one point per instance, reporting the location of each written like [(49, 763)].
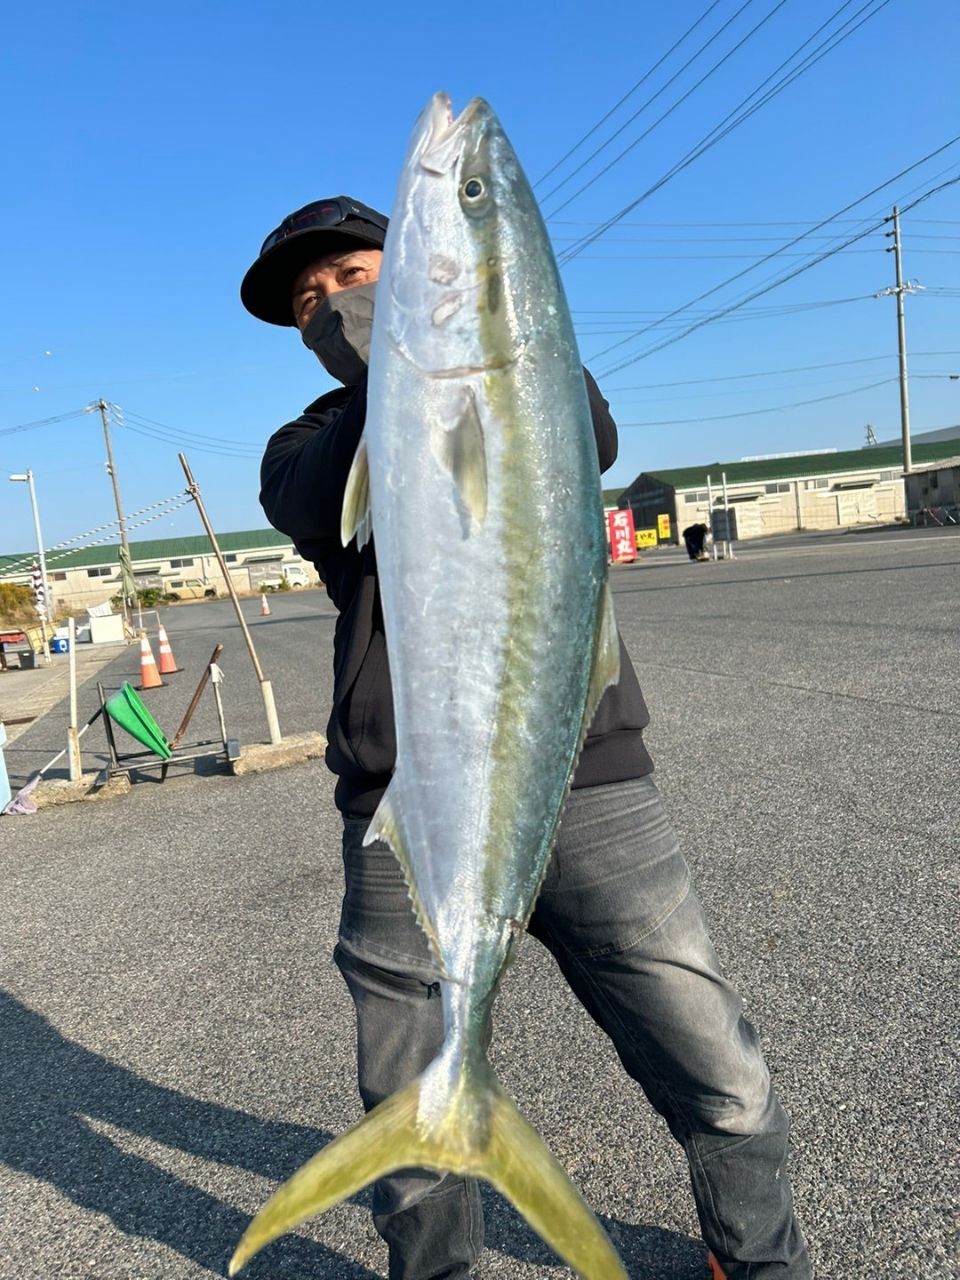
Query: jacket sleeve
[(604, 426), (305, 467)]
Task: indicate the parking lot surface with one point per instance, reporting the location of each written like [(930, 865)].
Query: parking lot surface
[(176, 1039)]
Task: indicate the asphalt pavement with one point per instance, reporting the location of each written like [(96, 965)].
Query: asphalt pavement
[(176, 1039)]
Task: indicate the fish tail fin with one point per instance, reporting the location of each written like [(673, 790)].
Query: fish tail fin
[(520, 1165), (504, 1149), (384, 1140)]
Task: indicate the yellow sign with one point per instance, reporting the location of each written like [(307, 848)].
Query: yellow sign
[(646, 538), (663, 527)]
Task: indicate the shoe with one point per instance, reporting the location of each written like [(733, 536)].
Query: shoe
[(715, 1272)]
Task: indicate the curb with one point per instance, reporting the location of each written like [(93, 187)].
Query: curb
[(295, 749), (55, 791), (259, 757)]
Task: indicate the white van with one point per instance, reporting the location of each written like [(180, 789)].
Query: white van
[(295, 574)]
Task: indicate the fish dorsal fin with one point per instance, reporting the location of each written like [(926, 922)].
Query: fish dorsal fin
[(385, 825), (355, 516), (606, 658), (461, 451)]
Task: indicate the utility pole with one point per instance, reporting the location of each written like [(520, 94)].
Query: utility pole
[(126, 564), (898, 291)]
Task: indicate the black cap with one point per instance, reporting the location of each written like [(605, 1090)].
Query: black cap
[(325, 226)]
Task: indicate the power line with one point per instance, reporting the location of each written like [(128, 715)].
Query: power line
[(734, 306), (777, 252), (670, 110), (630, 92), (682, 240), (732, 121), (750, 413), (651, 402), (720, 257), (770, 373), (793, 222), (42, 422), (653, 98), (142, 425), (192, 445)]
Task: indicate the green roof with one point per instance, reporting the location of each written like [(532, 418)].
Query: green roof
[(158, 549), (866, 459)]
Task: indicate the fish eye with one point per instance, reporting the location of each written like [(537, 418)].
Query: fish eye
[(473, 189)]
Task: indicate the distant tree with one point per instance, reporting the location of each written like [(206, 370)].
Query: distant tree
[(16, 605)]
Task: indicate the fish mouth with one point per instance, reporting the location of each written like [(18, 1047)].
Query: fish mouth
[(443, 133)]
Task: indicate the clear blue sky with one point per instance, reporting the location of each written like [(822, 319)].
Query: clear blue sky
[(148, 150)]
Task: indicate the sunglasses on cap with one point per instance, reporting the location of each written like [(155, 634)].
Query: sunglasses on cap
[(323, 214)]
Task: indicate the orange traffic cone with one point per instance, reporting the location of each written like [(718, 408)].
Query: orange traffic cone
[(168, 663), (264, 605), (715, 1272), (149, 675)]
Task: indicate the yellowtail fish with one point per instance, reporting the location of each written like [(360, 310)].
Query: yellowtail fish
[(477, 476)]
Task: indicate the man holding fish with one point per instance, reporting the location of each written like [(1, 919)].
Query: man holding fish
[(465, 442)]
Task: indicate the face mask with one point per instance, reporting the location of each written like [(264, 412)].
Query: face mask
[(338, 333)]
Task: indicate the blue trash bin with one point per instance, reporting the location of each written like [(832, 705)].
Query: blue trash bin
[(59, 645)]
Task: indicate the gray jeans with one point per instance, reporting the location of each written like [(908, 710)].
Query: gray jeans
[(618, 912)]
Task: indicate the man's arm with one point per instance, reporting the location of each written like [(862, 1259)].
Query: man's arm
[(305, 467), (604, 426)]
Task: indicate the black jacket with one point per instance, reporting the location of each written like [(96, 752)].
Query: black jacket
[(303, 477)]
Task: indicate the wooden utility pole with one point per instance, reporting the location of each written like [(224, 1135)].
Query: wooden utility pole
[(126, 563)]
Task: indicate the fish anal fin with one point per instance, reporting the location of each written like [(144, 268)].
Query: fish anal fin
[(355, 516), (385, 825), (606, 658), (461, 451)]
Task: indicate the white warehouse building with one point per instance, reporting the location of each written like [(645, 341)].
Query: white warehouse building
[(785, 493)]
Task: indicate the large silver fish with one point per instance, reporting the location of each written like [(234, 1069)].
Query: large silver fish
[(477, 475)]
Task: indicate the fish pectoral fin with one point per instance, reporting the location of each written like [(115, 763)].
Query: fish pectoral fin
[(385, 825), (461, 451), (505, 1150), (606, 658), (355, 516)]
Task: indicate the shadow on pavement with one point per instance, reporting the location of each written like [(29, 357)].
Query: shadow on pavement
[(50, 1084), (52, 1087), (646, 1251)]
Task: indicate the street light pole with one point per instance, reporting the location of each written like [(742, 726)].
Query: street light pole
[(27, 477)]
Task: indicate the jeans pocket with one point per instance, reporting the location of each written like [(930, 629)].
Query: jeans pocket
[(377, 979), (617, 872)]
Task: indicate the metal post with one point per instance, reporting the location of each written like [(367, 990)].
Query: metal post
[(121, 519), (266, 689), (47, 603), (713, 540), (728, 545), (902, 340), (73, 738)]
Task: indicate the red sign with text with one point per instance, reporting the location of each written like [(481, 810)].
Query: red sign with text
[(623, 542)]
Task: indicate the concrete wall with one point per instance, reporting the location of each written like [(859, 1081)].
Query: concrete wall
[(803, 505)]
